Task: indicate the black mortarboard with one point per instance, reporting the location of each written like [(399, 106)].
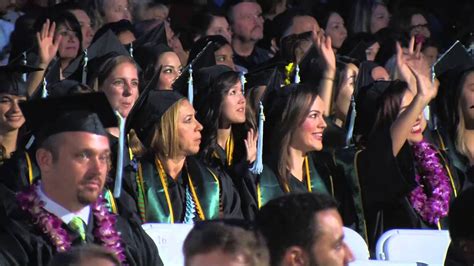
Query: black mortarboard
[(148, 110), (116, 27), (90, 112), (356, 46), (204, 58), (156, 35), (310, 69), (454, 57), (147, 57), (207, 57), (367, 104), (364, 78), (288, 44), (204, 77), (11, 81), (261, 75), (105, 47), (67, 87)]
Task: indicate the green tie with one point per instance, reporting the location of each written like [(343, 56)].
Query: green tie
[(78, 225)]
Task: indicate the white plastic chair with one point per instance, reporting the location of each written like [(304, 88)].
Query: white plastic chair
[(357, 244), (426, 246), (169, 239)]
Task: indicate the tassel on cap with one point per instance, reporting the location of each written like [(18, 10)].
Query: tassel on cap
[(257, 167), (24, 62), (350, 130), (121, 146), (130, 49), (243, 80), (44, 91), (297, 74), (84, 68), (190, 85)]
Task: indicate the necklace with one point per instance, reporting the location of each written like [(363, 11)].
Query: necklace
[(51, 225), (430, 198)]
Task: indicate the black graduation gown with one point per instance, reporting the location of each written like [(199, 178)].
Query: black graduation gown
[(228, 201), (386, 182), (19, 171), (22, 243)]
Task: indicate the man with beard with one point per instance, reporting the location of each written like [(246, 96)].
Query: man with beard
[(312, 234), (246, 20), (66, 207)]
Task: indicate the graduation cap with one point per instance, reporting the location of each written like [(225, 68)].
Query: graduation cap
[(456, 56), (148, 111), (156, 35), (310, 69), (449, 69), (67, 87), (147, 57), (11, 81), (289, 43), (90, 112), (367, 104), (185, 80), (116, 27), (85, 67)]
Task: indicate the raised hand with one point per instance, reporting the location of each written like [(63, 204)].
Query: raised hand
[(426, 89), (47, 43), (324, 46), (411, 58), (251, 145)]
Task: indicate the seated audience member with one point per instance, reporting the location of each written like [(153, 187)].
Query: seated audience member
[(66, 208), (217, 243), (246, 21), (304, 229), (86, 255), (461, 219)]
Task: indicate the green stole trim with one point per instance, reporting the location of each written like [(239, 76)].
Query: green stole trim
[(206, 188), (269, 187), (347, 159)]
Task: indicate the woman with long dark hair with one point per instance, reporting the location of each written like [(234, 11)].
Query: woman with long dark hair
[(406, 181)]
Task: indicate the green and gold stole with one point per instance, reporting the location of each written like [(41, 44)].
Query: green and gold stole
[(269, 187), (154, 202)]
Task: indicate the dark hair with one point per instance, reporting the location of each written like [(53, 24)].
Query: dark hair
[(402, 21), (81, 254), (361, 13), (62, 18), (202, 20), (388, 105), (117, 28), (290, 221), (231, 239), (210, 112), (285, 115), (461, 218)]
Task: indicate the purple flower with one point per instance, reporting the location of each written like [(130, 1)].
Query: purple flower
[(432, 171)]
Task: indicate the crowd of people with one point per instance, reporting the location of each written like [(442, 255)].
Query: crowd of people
[(116, 113)]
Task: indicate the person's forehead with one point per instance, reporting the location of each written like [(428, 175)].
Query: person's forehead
[(247, 8), (417, 18), (329, 222)]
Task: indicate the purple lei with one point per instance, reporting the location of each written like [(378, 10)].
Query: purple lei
[(51, 225), (431, 197)]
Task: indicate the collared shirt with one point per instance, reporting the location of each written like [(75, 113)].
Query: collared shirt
[(61, 212)]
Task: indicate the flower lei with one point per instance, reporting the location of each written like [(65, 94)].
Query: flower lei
[(51, 225), (431, 197)]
